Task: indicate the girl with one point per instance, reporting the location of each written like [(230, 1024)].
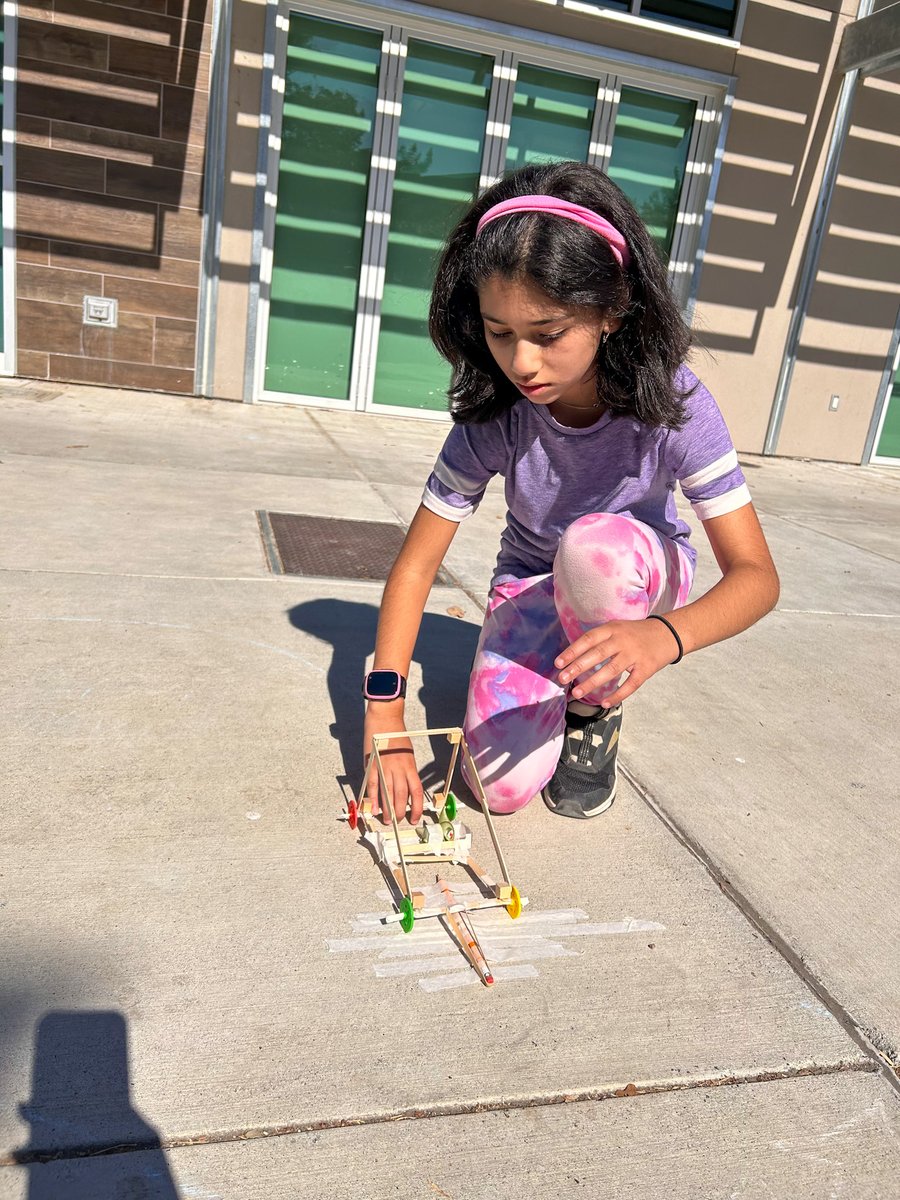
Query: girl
[(567, 348)]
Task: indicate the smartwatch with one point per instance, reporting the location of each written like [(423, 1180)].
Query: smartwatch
[(384, 685)]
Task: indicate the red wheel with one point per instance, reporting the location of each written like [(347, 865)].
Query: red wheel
[(352, 814)]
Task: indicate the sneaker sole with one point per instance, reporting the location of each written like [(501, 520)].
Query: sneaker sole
[(564, 809)]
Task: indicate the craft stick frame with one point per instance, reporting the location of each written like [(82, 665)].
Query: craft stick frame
[(412, 904)]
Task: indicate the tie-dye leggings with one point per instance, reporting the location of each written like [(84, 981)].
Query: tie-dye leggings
[(608, 567)]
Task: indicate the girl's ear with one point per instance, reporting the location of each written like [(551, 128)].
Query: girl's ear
[(612, 324)]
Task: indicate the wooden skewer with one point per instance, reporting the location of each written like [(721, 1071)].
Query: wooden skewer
[(467, 757), (389, 800), (362, 790)]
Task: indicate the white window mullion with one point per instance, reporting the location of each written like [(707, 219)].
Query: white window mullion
[(682, 260), (8, 249), (271, 112), (499, 114), (381, 183), (607, 103), (696, 178)]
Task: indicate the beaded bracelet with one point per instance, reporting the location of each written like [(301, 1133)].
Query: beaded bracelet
[(672, 630)]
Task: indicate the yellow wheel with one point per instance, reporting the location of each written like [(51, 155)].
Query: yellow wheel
[(514, 908)]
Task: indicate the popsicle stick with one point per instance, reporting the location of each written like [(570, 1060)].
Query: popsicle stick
[(451, 768), (380, 738)]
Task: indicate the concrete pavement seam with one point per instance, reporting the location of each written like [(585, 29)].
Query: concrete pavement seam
[(880, 1061), (436, 1111)]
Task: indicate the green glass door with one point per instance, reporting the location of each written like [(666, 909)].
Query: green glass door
[(348, 209), (649, 156), (331, 88), (439, 152), (889, 438), (551, 118)]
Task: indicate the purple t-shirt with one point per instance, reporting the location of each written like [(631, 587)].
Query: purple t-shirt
[(555, 474)]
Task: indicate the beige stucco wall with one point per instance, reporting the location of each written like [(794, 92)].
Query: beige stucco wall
[(786, 93), (854, 304), (768, 186), (243, 134)]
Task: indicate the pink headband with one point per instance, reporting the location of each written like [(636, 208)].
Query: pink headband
[(562, 208)]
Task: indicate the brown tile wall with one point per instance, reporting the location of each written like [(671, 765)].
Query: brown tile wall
[(111, 112)]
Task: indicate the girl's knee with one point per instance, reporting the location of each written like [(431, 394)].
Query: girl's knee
[(503, 801), (600, 566), (595, 540), (507, 787)]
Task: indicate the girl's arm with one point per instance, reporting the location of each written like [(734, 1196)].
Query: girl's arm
[(748, 589), (402, 605)]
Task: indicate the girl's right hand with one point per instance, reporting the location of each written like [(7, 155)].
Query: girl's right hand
[(398, 762)]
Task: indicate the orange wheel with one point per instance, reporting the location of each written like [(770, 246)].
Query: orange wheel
[(514, 908)]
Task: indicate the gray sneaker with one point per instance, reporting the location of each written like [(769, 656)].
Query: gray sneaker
[(584, 782)]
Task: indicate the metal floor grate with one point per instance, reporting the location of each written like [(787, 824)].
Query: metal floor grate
[(331, 548)]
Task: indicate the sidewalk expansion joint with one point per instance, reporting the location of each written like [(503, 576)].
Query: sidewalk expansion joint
[(879, 1060), (436, 1111)]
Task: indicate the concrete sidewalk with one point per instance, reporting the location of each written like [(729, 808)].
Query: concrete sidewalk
[(190, 960)]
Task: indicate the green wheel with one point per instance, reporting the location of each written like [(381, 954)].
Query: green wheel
[(407, 916), (450, 807)]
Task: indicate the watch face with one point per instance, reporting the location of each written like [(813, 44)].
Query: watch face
[(382, 685)]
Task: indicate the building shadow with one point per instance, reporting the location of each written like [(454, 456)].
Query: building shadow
[(122, 102), (444, 651), (87, 1142)]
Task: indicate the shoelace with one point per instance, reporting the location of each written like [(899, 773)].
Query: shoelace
[(587, 742)]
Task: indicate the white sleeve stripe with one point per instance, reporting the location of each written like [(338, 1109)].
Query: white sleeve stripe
[(720, 505), (456, 481), (722, 466), (442, 509)]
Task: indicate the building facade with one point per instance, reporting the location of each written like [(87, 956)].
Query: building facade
[(262, 186)]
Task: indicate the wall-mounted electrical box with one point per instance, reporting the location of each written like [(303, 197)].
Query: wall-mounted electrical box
[(833, 403), (100, 310)]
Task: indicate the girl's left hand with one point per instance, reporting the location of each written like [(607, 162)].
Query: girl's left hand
[(638, 648)]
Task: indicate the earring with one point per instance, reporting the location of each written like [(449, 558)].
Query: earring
[(604, 337)]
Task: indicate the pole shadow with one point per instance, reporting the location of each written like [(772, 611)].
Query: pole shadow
[(81, 1117), (445, 650)]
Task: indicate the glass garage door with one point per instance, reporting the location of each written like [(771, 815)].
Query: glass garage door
[(382, 139)]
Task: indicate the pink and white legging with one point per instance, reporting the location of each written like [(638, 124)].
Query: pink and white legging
[(608, 567)]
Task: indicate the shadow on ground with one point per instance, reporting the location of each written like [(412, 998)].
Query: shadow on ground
[(80, 1114), (444, 651)]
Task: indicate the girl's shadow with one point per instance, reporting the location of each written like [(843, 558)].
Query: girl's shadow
[(444, 650)]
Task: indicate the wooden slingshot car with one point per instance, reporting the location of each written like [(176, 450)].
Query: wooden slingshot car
[(439, 839)]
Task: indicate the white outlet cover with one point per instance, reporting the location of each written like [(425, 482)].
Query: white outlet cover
[(101, 310)]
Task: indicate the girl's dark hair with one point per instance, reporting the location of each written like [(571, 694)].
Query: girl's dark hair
[(576, 267)]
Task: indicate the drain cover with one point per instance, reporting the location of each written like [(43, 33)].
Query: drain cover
[(297, 544)]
